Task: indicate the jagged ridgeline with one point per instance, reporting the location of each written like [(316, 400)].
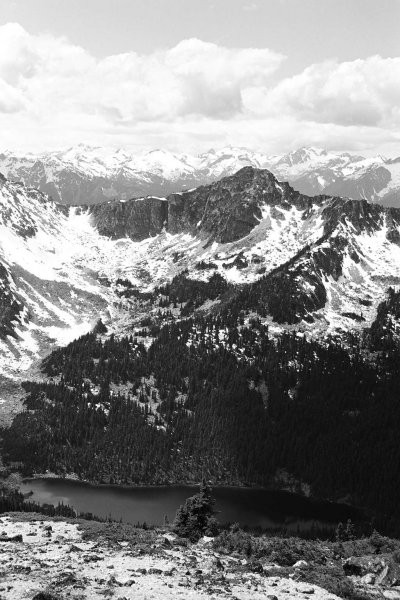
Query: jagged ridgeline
[(212, 399), (91, 175), (320, 262)]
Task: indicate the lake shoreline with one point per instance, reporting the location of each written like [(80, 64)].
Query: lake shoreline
[(283, 482), (297, 489), (251, 506)]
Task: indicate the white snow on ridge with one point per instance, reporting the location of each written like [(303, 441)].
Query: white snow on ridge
[(128, 173), (59, 262)]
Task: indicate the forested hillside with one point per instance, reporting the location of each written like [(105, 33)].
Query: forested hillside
[(214, 398)]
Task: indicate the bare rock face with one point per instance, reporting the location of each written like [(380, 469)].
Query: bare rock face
[(362, 215), (227, 210), (136, 219), (224, 211), (10, 305)]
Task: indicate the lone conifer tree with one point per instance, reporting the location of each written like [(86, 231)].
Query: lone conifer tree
[(195, 517)]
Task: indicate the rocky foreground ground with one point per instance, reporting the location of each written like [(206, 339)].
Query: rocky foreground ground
[(57, 559)]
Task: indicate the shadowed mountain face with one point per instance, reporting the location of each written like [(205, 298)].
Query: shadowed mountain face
[(137, 219), (228, 210), (224, 211)]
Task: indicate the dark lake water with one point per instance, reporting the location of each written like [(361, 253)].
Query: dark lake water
[(247, 506)]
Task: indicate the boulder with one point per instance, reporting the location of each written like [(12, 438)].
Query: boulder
[(13, 538), (368, 579), (300, 564), (352, 566)]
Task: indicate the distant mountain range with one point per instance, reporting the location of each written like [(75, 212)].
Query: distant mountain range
[(87, 175)]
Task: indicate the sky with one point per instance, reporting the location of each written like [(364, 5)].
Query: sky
[(188, 75)]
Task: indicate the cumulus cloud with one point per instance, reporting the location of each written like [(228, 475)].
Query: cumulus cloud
[(54, 93), (361, 92), (193, 78)]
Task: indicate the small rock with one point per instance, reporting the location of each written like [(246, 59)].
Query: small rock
[(217, 564), (170, 572), (13, 538), (272, 597), (352, 567), (391, 594), (382, 576), (369, 579), (167, 543), (256, 567), (300, 564)]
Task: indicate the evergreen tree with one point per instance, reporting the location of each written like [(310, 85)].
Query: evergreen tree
[(195, 517), (100, 328)]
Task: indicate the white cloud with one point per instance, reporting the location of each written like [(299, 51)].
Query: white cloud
[(193, 78), (193, 95), (361, 92)]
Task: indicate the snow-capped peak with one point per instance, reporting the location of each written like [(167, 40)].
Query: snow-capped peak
[(86, 174)]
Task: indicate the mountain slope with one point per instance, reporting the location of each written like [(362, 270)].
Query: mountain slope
[(250, 226), (318, 264), (47, 295)]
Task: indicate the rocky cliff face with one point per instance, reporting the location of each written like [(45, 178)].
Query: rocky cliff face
[(137, 219), (228, 210), (11, 307), (224, 211)]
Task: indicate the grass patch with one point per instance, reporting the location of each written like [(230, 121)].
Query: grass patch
[(118, 532)]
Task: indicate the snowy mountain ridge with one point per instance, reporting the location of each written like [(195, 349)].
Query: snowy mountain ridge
[(327, 260), (89, 175)]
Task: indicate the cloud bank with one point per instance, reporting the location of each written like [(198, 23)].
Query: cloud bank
[(191, 96)]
